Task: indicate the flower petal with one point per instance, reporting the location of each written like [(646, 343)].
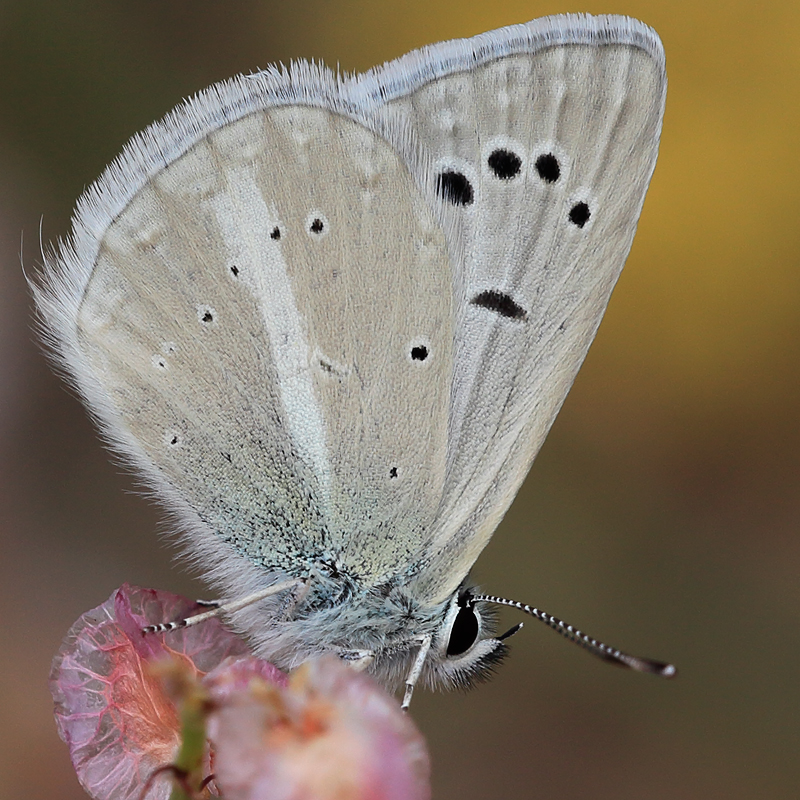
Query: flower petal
[(331, 733), (113, 714)]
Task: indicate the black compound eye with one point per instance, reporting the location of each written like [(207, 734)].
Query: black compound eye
[(464, 632)]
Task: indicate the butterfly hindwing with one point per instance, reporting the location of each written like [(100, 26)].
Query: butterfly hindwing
[(540, 142)]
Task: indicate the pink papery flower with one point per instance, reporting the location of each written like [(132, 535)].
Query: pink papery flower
[(111, 710), (328, 733)]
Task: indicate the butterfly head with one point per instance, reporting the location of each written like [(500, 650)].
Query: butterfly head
[(465, 650)]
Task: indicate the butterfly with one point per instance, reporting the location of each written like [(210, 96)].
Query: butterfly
[(330, 320)]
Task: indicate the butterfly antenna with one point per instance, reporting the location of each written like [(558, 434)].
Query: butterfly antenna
[(594, 646)]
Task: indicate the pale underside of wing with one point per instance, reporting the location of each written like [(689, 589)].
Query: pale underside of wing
[(329, 322), (269, 318), (539, 162)]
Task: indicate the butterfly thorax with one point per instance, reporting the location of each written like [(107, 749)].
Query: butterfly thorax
[(376, 626)]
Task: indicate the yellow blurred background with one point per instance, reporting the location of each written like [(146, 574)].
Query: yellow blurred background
[(663, 512)]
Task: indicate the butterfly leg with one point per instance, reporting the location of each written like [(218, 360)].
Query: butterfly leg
[(293, 600), (223, 607), (416, 671)]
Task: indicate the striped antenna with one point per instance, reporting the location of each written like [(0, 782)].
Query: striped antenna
[(594, 646)]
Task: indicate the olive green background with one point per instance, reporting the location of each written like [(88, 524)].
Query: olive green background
[(662, 514)]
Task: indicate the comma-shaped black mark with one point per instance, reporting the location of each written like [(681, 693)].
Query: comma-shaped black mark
[(500, 303), (454, 187)]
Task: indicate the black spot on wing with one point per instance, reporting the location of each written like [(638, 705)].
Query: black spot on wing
[(206, 314), (419, 352), (505, 164), (579, 214), (500, 303), (455, 188), (548, 168)]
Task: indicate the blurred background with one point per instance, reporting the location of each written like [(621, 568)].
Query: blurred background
[(662, 514)]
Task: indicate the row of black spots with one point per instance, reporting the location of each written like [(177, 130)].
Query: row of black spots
[(455, 188), (500, 303), (506, 165), (549, 170), (159, 361), (316, 227)]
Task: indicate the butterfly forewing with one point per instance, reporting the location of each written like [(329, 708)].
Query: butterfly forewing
[(274, 333)]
